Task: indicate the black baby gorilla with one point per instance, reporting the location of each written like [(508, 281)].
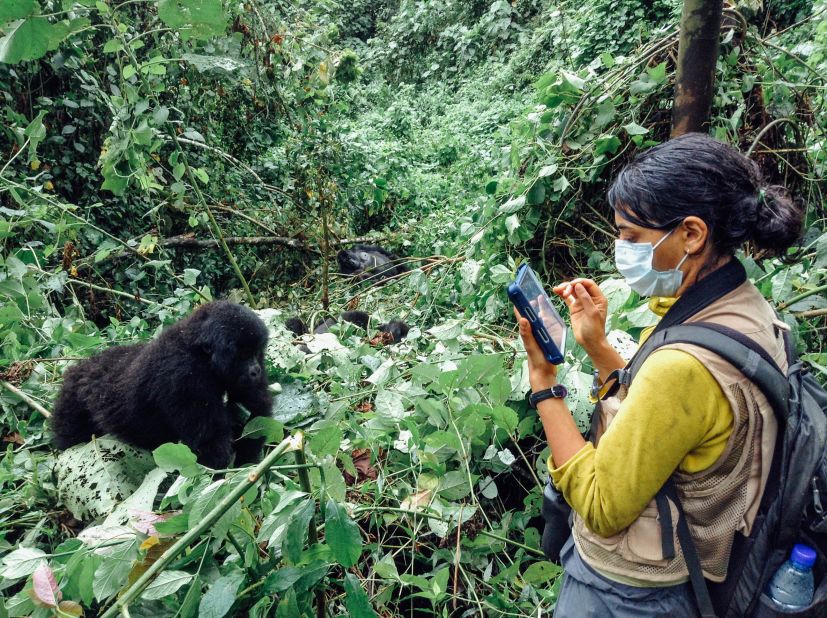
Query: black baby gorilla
[(369, 263), (396, 330), (173, 388)]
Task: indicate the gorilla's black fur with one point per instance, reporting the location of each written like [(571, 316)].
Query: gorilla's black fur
[(173, 388), (369, 263), (397, 329)]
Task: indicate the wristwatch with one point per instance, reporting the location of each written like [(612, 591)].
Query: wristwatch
[(558, 391)]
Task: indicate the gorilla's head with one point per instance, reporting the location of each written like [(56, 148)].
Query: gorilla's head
[(358, 259), (234, 338), (397, 329), (295, 326)]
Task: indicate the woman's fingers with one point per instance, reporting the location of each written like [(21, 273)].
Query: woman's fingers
[(530, 344), (585, 299)]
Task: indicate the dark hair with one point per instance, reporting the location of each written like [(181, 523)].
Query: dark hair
[(696, 175)]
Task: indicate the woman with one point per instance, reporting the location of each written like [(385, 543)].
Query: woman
[(681, 209)]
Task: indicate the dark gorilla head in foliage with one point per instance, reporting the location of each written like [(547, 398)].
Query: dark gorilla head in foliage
[(369, 263), (187, 385), (395, 330)]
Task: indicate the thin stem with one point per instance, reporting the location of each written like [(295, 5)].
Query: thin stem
[(26, 399), (803, 295), (312, 532), (214, 223)]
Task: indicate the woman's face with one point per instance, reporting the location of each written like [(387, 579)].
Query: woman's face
[(668, 253)]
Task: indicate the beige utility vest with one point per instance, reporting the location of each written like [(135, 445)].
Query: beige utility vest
[(725, 497)]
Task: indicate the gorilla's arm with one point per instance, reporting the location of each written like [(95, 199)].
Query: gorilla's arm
[(258, 402), (205, 427)]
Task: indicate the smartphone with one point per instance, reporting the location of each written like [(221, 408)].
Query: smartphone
[(533, 303)]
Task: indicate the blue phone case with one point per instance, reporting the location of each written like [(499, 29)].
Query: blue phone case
[(546, 343)]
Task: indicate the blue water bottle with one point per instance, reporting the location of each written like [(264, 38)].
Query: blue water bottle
[(792, 585)]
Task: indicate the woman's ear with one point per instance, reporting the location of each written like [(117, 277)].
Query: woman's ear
[(695, 234)]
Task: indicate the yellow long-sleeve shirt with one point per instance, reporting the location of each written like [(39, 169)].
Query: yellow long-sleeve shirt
[(675, 416)]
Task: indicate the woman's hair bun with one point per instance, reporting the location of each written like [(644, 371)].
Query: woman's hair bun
[(779, 220)]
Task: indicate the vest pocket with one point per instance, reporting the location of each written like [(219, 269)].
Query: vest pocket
[(643, 538)]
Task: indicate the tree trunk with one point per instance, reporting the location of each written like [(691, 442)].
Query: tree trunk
[(697, 54)]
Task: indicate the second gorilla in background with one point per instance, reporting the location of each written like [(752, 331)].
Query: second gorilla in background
[(395, 330)]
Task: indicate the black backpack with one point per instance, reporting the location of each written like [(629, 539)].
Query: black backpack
[(794, 505)]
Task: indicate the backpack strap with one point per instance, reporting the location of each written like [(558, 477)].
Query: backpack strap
[(735, 348), (690, 554)]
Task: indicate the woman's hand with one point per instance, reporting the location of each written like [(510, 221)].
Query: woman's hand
[(587, 309), (541, 373)]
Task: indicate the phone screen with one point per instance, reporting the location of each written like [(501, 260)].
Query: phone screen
[(542, 306)]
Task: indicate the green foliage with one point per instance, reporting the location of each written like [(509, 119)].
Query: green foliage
[(472, 135)]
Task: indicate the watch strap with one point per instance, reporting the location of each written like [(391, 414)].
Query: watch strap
[(558, 391)]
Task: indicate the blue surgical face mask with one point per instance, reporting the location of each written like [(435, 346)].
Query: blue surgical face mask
[(634, 261)]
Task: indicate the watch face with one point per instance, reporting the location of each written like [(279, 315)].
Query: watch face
[(559, 390)]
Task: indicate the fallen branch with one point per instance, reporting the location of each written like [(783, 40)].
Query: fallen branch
[(811, 313), (189, 242)]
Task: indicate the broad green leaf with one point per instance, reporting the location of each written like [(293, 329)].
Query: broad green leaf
[(356, 600), (439, 583), (199, 19), (454, 485), (500, 273), (635, 129), (166, 584), (386, 567), (274, 526), (113, 572), (296, 534), (657, 72), (16, 9), (95, 476), (537, 193), (220, 64), (22, 562), (487, 486), (288, 606), (326, 441), (547, 170), (541, 572), (176, 457), (606, 144), (207, 501), (112, 46), (218, 600), (311, 575), (342, 535), (782, 285), (28, 40), (189, 606), (282, 580), (505, 418), (264, 427)]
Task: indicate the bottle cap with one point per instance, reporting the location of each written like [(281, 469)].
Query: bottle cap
[(803, 555)]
